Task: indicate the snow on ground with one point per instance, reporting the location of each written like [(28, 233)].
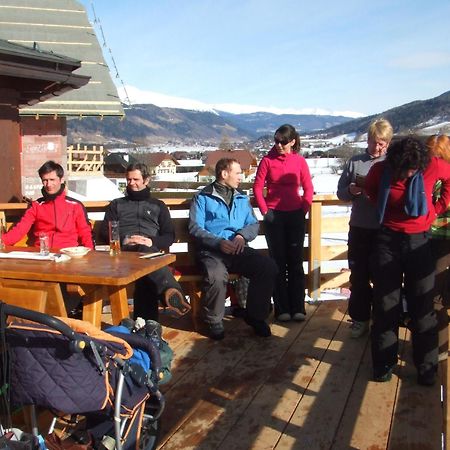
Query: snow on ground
[(436, 128), (190, 162), (343, 138), (325, 183), (187, 176), (93, 188)]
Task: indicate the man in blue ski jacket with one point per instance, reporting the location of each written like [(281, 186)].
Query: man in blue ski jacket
[(222, 222)]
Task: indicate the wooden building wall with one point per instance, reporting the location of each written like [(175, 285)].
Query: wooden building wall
[(10, 167), (43, 138)]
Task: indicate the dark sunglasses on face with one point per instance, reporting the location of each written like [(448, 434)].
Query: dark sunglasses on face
[(283, 142)]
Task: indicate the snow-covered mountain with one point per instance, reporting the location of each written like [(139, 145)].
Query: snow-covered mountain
[(147, 124)]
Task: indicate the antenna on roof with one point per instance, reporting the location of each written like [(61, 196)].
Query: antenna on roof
[(99, 25)]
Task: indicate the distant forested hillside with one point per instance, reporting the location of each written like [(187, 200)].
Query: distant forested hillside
[(411, 117), (149, 124)]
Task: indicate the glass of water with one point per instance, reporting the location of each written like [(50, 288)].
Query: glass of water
[(44, 248)]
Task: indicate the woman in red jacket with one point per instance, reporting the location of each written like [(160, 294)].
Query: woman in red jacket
[(402, 188), (284, 172)]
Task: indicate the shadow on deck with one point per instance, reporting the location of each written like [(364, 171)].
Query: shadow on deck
[(308, 386)]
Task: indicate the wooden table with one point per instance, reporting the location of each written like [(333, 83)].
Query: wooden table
[(97, 273)]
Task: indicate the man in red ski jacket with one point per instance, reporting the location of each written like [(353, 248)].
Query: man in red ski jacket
[(63, 218)]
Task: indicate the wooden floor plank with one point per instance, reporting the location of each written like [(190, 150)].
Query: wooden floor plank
[(365, 422), (326, 395), (225, 401), (185, 396), (189, 348), (444, 373), (418, 415), (309, 386), (263, 422)]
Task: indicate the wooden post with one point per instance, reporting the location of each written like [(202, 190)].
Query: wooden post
[(314, 257)]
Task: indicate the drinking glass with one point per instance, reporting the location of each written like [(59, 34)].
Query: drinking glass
[(114, 237), (44, 249)]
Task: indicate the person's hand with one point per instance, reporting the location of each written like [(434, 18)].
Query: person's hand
[(233, 247), (227, 246), (354, 190), (135, 239), (269, 216), (239, 244)]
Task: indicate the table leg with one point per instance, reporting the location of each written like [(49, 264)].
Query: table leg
[(119, 303), (93, 304)]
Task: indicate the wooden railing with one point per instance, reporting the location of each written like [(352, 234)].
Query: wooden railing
[(326, 263), (82, 161)]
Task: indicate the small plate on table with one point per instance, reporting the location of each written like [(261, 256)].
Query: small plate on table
[(75, 252)]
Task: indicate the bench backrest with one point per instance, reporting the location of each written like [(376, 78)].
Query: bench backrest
[(327, 262)]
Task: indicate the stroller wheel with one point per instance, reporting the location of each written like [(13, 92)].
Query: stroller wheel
[(150, 429)]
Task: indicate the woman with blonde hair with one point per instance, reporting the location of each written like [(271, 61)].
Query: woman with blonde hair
[(439, 145), (363, 224)]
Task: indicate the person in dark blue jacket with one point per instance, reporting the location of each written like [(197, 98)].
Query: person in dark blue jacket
[(222, 222)]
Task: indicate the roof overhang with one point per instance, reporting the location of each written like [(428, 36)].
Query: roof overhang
[(35, 75)]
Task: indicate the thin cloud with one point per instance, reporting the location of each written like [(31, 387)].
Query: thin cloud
[(425, 60)]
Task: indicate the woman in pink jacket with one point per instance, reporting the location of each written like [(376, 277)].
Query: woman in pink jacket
[(283, 171)]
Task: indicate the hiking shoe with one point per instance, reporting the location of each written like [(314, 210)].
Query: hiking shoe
[(216, 331), (284, 317), (357, 328), (427, 377), (382, 374), (299, 317), (175, 302), (260, 327)]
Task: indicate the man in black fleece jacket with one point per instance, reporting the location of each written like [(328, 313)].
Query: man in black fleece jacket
[(145, 226)]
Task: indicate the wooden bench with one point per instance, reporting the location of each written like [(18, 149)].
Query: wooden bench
[(186, 272), (185, 269)]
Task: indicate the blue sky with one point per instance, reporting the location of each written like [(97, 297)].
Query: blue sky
[(294, 55)]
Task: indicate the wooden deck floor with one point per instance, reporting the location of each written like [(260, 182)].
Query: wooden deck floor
[(306, 387)]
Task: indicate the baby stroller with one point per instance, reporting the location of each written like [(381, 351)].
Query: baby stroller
[(106, 383)]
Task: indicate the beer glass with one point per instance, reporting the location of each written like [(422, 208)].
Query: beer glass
[(114, 237)]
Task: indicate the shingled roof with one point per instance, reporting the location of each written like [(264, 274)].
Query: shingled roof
[(155, 159), (62, 27), (246, 158)]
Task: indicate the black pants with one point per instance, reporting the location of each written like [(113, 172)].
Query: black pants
[(361, 242), (149, 289), (285, 235), (259, 269), (407, 258)]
